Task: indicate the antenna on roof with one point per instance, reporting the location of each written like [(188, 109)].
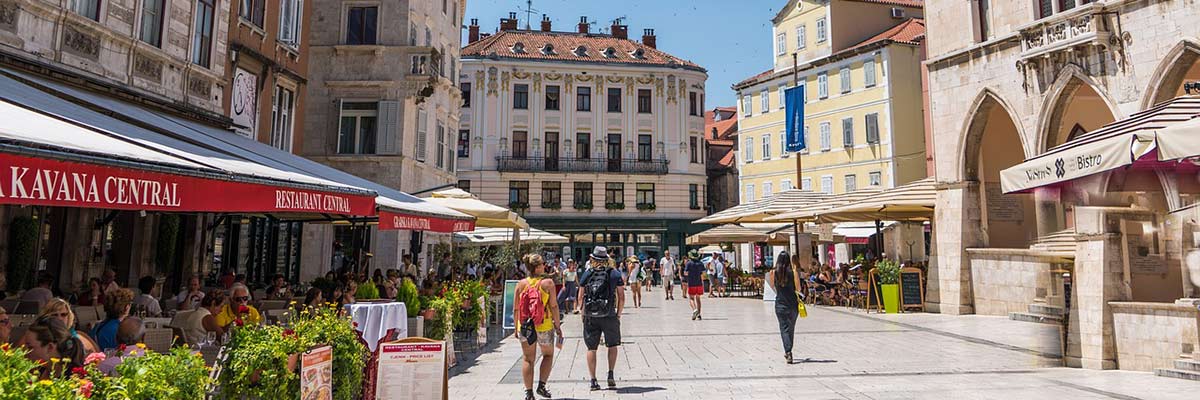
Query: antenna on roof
[(529, 11), (619, 20)]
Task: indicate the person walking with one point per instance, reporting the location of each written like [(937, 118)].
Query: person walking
[(602, 300), (537, 324), (635, 271), (784, 280), (566, 296), (693, 272), (667, 268)]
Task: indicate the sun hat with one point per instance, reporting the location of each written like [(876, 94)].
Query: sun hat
[(693, 254), (600, 253)]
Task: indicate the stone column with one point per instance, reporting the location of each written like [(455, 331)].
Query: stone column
[(957, 217), (1098, 279), (933, 302), (316, 251)]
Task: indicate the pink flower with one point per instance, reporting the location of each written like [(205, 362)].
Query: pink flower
[(243, 309), (94, 358), (85, 388)]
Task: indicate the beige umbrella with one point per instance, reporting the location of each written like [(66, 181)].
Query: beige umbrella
[(808, 213), (734, 233), (759, 210), (496, 236), (913, 201), (487, 215)]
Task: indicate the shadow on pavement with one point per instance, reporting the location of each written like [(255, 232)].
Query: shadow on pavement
[(812, 361), (638, 389)]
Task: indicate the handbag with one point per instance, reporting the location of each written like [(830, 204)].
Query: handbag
[(801, 311), (528, 333)]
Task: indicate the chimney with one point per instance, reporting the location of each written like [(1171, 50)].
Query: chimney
[(545, 23), (648, 38), (484, 35), (510, 23), (620, 31), (583, 25), (473, 31)]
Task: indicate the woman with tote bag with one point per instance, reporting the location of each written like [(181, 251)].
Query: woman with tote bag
[(784, 280)]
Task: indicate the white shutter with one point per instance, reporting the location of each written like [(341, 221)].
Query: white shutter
[(337, 139), (388, 128), (422, 131), (869, 72), (873, 128)]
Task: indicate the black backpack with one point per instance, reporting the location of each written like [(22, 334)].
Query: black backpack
[(598, 294)]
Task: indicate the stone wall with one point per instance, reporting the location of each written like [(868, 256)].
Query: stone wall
[(1007, 280), (1153, 335)]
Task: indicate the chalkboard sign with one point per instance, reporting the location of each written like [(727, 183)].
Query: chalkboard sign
[(912, 294), (874, 292)]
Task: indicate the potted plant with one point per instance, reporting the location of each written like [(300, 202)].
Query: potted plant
[(367, 291), (427, 313), (407, 294), (888, 272)]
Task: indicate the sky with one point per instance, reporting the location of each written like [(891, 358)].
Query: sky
[(731, 39)]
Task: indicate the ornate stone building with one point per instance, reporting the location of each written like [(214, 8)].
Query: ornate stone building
[(1010, 80), (593, 136)]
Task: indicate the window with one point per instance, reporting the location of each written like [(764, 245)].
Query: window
[(552, 97), (644, 148), (614, 193), (825, 137), (766, 147), (844, 77), (694, 196), (746, 106), (822, 85), (820, 30), (412, 34), (440, 161), (983, 26), (785, 185), (749, 193), (291, 14), (781, 44), (644, 100), (694, 149), (1045, 8), (418, 64), (551, 194), (782, 95), (583, 194), (464, 143), (281, 118), (827, 184), (520, 144), (808, 143), (202, 33), (806, 184), (583, 145), (851, 183), (848, 132), (428, 37), (465, 185), (783, 144), (872, 128), (360, 25), (518, 194), (356, 133), (874, 178), (583, 99), (422, 135), (465, 88), (764, 101), (693, 108), (801, 37), (869, 73), (152, 22), (767, 189), (87, 8), (645, 195), (521, 96), (614, 100), (748, 149)]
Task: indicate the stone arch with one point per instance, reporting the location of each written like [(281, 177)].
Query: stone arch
[(1170, 72), (973, 129), (1071, 84)]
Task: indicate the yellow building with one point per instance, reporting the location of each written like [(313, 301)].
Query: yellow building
[(860, 64)]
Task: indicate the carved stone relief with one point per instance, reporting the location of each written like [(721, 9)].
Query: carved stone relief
[(147, 67), (9, 15), (505, 79), (81, 43), (492, 83), (200, 87)]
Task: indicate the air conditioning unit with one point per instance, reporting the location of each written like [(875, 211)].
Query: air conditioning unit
[(897, 12)]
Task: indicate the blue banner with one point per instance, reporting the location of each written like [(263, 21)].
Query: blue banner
[(794, 100)]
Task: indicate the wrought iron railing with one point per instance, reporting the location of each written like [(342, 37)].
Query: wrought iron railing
[(543, 164)]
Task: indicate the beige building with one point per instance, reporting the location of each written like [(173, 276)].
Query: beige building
[(1010, 80), (594, 136), (382, 103)]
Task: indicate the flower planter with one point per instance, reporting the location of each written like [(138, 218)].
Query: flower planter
[(416, 326), (891, 298), (428, 314)]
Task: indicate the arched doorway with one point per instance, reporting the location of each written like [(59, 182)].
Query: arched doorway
[(1181, 65), (1078, 109), (994, 143)]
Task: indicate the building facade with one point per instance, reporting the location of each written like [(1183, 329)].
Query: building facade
[(382, 103), (593, 136), (1010, 80), (268, 53), (859, 63), (720, 127)]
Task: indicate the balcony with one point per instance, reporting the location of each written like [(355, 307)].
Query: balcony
[(1084, 26), (617, 166)]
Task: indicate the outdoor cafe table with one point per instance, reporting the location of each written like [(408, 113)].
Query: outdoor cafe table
[(376, 319)]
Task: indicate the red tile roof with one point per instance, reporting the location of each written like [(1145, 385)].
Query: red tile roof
[(726, 128), (899, 3), (564, 44), (755, 78)]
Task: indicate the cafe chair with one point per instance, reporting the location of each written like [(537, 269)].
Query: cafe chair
[(158, 339)]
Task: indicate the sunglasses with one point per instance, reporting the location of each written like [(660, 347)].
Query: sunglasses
[(241, 298), (4, 321), (62, 315)]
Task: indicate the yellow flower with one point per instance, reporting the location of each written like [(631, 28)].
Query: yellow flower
[(46, 382), (55, 360), (141, 346)]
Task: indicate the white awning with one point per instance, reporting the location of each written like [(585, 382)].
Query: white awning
[(494, 236)]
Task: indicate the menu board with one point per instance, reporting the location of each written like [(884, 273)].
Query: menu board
[(510, 297), (412, 369), (911, 292), (825, 232), (316, 374)]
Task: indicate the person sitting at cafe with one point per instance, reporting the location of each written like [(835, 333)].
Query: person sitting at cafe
[(146, 301), (279, 289), (5, 326), (196, 325), (42, 293), (314, 298), (238, 310), (190, 298), (59, 308), (108, 282), (93, 296), (50, 342), (349, 289), (129, 335), (116, 308)]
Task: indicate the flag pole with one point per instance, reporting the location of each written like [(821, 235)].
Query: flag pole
[(797, 226)]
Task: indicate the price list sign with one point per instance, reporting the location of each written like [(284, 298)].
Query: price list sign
[(411, 371)]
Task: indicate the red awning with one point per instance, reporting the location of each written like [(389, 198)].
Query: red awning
[(858, 240), (390, 221), (42, 181)]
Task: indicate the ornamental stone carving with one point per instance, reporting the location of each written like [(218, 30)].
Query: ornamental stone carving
[(629, 84), (551, 76), (614, 79), (569, 83), (504, 81), (520, 75), (199, 87), (537, 82), (80, 43), (9, 13), (671, 89), (646, 80), (479, 79), (658, 87), (492, 83), (682, 88), (146, 67)]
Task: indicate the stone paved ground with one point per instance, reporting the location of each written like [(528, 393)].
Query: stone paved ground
[(735, 353)]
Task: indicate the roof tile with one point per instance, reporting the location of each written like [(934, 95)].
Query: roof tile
[(564, 45)]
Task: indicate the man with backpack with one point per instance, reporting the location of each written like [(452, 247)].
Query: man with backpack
[(602, 300)]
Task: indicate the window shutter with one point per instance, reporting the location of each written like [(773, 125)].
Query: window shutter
[(422, 131), (848, 132), (337, 139), (872, 128), (388, 128)]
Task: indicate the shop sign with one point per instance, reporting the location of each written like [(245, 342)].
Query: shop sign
[(390, 221), (1068, 164), (244, 104), (38, 181)]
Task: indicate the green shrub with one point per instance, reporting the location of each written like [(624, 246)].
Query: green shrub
[(367, 291), (888, 271), (407, 294)]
